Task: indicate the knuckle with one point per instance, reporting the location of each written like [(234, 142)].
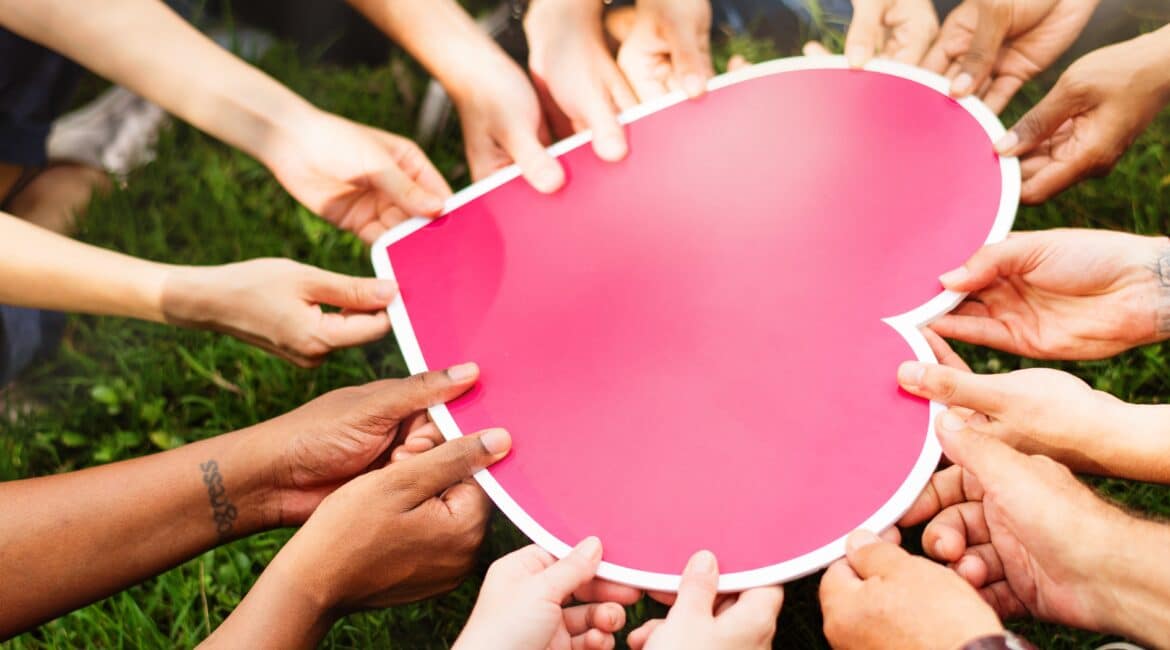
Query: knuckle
[(941, 383), (1001, 10), (978, 57)]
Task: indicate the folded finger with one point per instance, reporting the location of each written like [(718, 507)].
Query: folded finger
[(948, 536)]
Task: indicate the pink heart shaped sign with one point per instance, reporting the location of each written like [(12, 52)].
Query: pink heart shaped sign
[(696, 347)]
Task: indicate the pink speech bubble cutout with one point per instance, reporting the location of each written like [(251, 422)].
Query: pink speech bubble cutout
[(696, 347)]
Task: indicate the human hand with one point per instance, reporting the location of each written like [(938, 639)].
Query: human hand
[(1101, 103), (668, 48), (880, 596), (358, 178), (1052, 413), (410, 530), (1034, 540), (701, 618), (521, 603), (503, 123), (310, 452), (275, 304), (901, 30), (1063, 294), (575, 75), (991, 48)]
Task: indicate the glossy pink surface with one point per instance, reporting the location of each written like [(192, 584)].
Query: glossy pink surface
[(687, 347)]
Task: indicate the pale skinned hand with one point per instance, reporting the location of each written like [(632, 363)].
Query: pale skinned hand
[(880, 596), (521, 603), (668, 48), (1033, 539), (1062, 294), (702, 619), (901, 30), (503, 124), (1049, 412), (1101, 103), (276, 304), (575, 74), (991, 48), (358, 178), (343, 434)]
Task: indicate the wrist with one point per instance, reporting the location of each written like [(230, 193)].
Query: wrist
[(545, 15), (280, 611), (1157, 61), (188, 297), (236, 497), (279, 142), (551, 25), (465, 83)]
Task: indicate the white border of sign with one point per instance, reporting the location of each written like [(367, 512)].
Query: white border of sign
[(906, 324)]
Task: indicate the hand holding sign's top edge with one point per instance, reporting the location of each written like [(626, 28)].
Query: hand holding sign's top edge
[(1101, 103), (991, 48)]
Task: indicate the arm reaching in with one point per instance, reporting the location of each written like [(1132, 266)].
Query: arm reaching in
[(144, 516), (1035, 541), (359, 178), (991, 48), (1053, 413), (1097, 108), (1063, 294), (501, 116), (397, 534), (271, 303)]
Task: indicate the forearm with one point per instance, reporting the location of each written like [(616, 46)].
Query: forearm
[(44, 270), (71, 539), (1136, 585), (545, 17), (146, 47), (1140, 448), (277, 613), (438, 33)]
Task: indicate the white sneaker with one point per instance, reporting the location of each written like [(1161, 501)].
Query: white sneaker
[(115, 132)]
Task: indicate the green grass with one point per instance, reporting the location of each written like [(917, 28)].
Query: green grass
[(119, 389)]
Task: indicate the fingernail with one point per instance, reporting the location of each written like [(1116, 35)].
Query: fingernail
[(386, 290), (951, 423), (954, 277), (1007, 142), (694, 86), (859, 539), (611, 148), (856, 55), (463, 371), (910, 373), (496, 441), (961, 85), (590, 546), (701, 562), (432, 204), (550, 179)]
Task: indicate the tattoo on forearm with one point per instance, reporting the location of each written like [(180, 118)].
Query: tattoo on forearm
[(223, 513), (1162, 270)]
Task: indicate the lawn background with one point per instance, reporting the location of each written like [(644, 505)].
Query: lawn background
[(120, 388)]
